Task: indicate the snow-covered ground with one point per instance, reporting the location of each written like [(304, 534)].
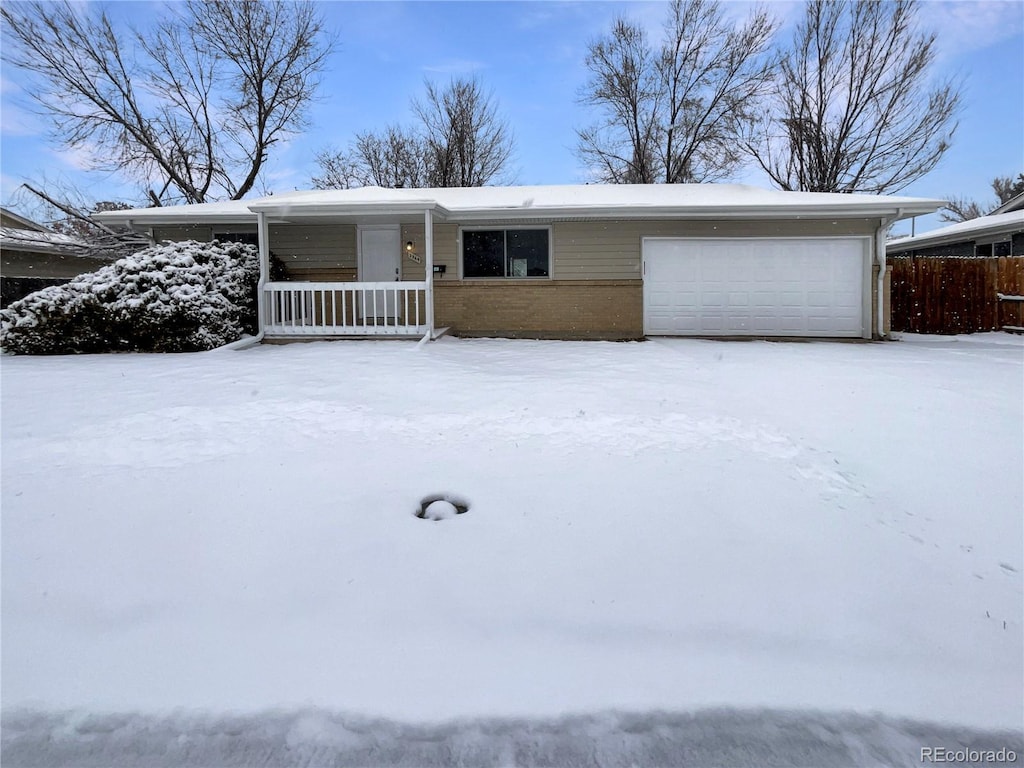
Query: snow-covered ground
[(671, 525)]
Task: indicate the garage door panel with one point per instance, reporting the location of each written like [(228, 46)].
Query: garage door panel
[(790, 287), (738, 299), (792, 299), (847, 300), (688, 321), (711, 301), (819, 299)]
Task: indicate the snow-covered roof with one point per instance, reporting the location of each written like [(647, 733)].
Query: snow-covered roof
[(973, 229), (1015, 203), (587, 200), (226, 211), (16, 239)]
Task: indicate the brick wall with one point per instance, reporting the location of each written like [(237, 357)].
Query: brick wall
[(565, 309)]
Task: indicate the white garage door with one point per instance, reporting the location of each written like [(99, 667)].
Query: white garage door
[(754, 287)]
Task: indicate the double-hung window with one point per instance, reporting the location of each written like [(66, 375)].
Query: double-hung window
[(506, 253)]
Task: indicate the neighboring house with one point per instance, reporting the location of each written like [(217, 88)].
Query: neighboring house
[(589, 261), (32, 257), (961, 278), (999, 234), (9, 218)]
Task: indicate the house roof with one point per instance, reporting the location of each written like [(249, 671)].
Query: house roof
[(39, 241), (226, 211), (1013, 204), (555, 201), (983, 227), (9, 218)]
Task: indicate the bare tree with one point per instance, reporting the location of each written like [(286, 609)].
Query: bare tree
[(399, 158), (624, 85), (468, 143), (190, 108), (960, 209), (460, 141), (963, 209), (69, 212), (675, 114), (1007, 188), (395, 158), (339, 170), (855, 107)]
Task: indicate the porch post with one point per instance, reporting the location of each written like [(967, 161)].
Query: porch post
[(263, 234), (428, 239)]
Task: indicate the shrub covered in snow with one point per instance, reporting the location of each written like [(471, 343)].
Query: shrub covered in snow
[(173, 297)]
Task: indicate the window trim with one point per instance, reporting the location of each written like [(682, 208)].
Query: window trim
[(506, 228)]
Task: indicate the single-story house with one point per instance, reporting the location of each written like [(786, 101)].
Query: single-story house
[(583, 261), (1001, 233), (32, 257)]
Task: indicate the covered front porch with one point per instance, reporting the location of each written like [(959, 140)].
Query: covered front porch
[(382, 289)]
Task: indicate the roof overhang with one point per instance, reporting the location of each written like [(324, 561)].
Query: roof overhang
[(982, 232), (228, 212), (313, 212), (41, 242), (694, 212), (1015, 203), (22, 222), (600, 202)]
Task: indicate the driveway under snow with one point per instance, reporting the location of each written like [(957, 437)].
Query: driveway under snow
[(667, 525)]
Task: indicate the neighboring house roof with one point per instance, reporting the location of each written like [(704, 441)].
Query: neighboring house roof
[(39, 241), (227, 212), (983, 227), (9, 218), (1013, 204), (587, 201)]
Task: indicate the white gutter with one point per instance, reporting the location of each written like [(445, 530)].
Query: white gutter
[(285, 212), (884, 225), (176, 215), (263, 231), (690, 212)]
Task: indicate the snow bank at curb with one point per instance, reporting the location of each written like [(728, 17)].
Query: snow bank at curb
[(315, 737)]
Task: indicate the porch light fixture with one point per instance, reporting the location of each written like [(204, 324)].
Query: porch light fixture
[(410, 252)]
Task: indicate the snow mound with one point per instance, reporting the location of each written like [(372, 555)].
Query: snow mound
[(441, 506), (440, 510), (175, 297)]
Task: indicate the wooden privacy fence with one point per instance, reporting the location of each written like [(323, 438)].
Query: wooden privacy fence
[(957, 295)]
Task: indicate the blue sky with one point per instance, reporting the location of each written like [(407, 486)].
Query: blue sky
[(531, 54)]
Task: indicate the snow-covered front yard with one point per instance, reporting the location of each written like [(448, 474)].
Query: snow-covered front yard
[(664, 525)]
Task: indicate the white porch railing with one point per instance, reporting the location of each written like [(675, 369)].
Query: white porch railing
[(345, 309)]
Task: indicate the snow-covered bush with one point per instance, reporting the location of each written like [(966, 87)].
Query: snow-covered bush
[(173, 297)]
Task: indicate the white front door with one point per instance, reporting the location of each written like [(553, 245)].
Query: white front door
[(380, 253)]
